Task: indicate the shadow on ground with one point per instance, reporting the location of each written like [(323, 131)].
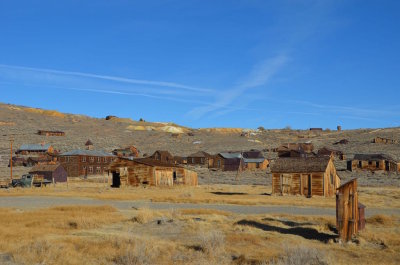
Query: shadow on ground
[(228, 193), (305, 232)]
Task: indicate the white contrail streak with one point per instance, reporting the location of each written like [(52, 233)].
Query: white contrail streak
[(107, 77)]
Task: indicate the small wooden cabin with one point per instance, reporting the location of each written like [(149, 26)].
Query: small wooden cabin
[(381, 140), (126, 152), (350, 214), (254, 160), (325, 151), (200, 158), (228, 161), (50, 171), (163, 156), (146, 171), (295, 150), (372, 162), (304, 176)]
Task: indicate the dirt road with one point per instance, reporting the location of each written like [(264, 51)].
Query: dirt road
[(35, 202)]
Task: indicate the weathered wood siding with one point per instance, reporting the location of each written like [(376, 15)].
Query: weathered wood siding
[(253, 166), (347, 215)]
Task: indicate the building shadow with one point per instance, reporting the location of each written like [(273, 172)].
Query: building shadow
[(227, 193), (287, 222), (305, 232)]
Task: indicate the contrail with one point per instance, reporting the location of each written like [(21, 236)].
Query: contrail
[(107, 77)]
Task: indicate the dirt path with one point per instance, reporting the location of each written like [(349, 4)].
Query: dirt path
[(35, 202)]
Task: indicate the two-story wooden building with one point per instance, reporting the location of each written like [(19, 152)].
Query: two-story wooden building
[(85, 162)]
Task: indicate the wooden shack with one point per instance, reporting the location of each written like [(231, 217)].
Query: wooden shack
[(254, 160), (50, 171), (50, 133), (295, 150), (228, 161), (372, 162), (304, 176), (350, 214), (146, 171), (325, 151), (381, 140), (163, 156), (200, 158)]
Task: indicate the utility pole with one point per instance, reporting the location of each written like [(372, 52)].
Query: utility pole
[(11, 156)]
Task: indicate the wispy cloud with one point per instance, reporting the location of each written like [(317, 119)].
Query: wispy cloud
[(259, 76), (108, 77)]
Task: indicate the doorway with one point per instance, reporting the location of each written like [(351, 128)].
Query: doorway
[(309, 186), (116, 180)]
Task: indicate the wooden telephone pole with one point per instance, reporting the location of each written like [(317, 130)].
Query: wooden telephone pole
[(11, 161)]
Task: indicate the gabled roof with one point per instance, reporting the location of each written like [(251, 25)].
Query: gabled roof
[(372, 157), (88, 142), (254, 160), (145, 161), (86, 153), (34, 147), (300, 165), (328, 151), (45, 167), (231, 155), (163, 153), (200, 154), (253, 154)]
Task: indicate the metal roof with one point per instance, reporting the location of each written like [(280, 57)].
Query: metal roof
[(34, 147), (86, 153), (372, 157), (253, 160)]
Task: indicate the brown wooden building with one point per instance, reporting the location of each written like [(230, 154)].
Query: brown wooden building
[(200, 158), (254, 160), (129, 151), (50, 133), (381, 140), (85, 162), (304, 176), (295, 150), (146, 171), (50, 171), (228, 161), (35, 149), (325, 151), (373, 162), (163, 156)]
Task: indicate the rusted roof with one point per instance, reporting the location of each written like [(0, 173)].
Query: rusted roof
[(373, 157), (300, 165), (44, 167)]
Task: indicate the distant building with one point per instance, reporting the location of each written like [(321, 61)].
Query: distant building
[(35, 149), (373, 162), (304, 176), (381, 140), (50, 171), (50, 133), (200, 158), (228, 161), (129, 151), (254, 160), (295, 150), (163, 156), (89, 145), (85, 162), (325, 151)]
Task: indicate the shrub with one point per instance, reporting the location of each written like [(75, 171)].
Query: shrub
[(301, 256)]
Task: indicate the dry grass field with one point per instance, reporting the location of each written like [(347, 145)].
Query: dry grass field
[(102, 235)]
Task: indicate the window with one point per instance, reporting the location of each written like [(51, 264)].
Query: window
[(219, 163), (257, 165), (192, 160), (90, 170), (91, 159), (83, 158), (105, 159), (105, 169), (331, 179), (360, 164), (377, 164), (98, 169), (202, 160)]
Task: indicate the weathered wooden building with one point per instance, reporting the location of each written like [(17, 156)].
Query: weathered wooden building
[(180, 160), (200, 158), (350, 214), (228, 161), (50, 133), (304, 176), (254, 160), (381, 140), (325, 151), (50, 171), (130, 151), (295, 150), (146, 171), (163, 156), (372, 162), (85, 162), (34, 160), (35, 149)]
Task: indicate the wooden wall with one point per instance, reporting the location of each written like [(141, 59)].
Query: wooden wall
[(347, 215), (253, 166)]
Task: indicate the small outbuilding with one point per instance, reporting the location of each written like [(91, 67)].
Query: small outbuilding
[(254, 160), (304, 176), (228, 161), (50, 171), (325, 151), (381, 140), (146, 171), (163, 156), (200, 158), (50, 133)]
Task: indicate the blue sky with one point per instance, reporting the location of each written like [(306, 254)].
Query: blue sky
[(244, 63)]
